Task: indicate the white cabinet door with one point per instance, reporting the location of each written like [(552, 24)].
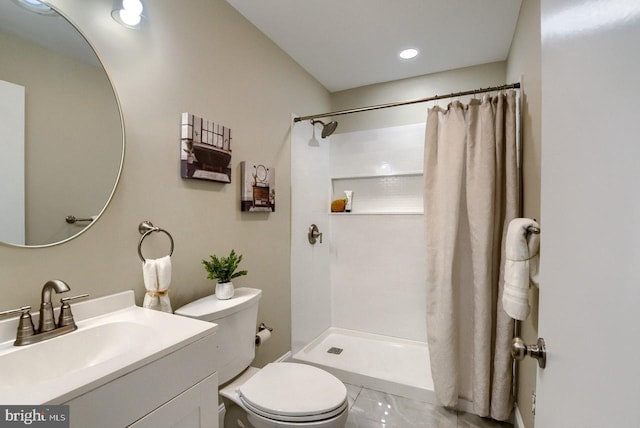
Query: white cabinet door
[(590, 217), (197, 407)]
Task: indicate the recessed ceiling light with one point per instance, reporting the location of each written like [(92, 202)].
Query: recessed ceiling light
[(409, 53)]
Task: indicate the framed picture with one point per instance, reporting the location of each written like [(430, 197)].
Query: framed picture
[(258, 189), (205, 149)]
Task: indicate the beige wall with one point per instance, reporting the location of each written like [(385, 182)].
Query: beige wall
[(205, 59), (71, 121), (524, 62), (410, 89)]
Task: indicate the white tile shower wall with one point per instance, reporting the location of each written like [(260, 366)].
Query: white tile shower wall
[(383, 151), (310, 199), (377, 261), (378, 274)]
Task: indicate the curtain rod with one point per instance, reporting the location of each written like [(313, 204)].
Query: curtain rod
[(404, 103)]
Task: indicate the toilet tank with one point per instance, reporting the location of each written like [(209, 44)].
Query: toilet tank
[(237, 318)]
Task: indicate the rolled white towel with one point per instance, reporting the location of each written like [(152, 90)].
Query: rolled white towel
[(521, 267), (157, 279)]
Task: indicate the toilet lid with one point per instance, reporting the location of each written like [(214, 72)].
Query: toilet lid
[(294, 392)]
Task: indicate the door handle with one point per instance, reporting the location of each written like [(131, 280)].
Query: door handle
[(538, 351)]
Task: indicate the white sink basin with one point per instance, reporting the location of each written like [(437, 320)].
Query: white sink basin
[(113, 338), (85, 348)]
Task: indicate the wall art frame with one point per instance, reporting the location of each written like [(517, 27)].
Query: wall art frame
[(258, 187), (205, 149)]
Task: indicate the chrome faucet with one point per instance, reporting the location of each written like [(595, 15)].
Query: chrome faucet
[(47, 321), (47, 327)]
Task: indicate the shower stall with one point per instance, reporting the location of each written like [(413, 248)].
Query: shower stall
[(358, 298)]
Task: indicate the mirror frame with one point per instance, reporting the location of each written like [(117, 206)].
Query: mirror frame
[(123, 136)]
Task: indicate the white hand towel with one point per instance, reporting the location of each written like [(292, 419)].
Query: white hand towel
[(521, 267), (157, 279)]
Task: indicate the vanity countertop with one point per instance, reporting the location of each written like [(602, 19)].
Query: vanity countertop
[(114, 337)]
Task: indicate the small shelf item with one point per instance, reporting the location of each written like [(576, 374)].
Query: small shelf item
[(337, 205)]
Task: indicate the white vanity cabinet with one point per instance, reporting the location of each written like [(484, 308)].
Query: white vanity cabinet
[(177, 390), (195, 408), (123, 366)]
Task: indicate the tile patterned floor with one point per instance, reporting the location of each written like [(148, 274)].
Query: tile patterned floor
[(373, 409)]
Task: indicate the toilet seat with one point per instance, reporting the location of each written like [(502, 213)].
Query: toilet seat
[(296, 419), (291, 392)]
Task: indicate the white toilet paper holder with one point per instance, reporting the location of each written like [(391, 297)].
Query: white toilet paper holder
[(263, 334)]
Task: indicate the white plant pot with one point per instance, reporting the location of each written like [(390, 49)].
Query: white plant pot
[(224, 290)]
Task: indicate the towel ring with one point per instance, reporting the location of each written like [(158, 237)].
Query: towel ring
[(146, 228)]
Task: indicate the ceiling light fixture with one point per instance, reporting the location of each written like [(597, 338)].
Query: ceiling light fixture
[(127, 12), (409, 53), (35, 6)]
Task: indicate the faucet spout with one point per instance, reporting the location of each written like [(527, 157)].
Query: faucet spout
[(56, 285), (47, 321)]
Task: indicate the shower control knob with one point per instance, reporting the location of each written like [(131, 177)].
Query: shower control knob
[(314, 234), (538, 351)]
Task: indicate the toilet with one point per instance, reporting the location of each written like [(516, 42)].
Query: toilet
[(282, 395)]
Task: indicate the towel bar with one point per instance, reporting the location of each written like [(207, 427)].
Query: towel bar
[(72, 219)]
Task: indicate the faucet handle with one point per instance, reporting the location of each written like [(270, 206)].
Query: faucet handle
[(15, 311), (64, 300), (25, 326), (66, 317)]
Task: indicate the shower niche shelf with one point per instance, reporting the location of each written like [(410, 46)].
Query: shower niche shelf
[(398, 193)]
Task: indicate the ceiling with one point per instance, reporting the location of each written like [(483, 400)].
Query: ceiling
[(351, 43)]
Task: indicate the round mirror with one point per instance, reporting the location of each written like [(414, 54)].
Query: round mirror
[(61, 133)]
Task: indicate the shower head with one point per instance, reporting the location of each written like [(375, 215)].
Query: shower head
[(327, 129)]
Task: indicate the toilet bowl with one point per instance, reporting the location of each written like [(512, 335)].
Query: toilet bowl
[(289, 395), (283, 395)]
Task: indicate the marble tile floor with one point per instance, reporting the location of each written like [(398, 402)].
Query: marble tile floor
[(374, 409)]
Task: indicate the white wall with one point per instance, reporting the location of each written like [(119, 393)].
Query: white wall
[(377, 260), (310, 199), (368, 273)]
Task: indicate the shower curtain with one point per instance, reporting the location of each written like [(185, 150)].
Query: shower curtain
[(471, 194)]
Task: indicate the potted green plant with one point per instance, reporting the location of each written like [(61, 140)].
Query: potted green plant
[(224, 269)]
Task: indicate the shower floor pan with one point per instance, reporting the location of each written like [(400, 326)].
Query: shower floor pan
[(388, 364)]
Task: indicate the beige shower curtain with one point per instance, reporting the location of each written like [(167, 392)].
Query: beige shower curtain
[(470, 196)]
